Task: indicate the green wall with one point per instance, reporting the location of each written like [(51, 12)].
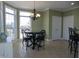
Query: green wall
[(47, 21), (75, 13), (37, 25)]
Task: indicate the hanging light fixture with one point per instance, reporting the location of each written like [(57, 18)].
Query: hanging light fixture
[(35, 15)]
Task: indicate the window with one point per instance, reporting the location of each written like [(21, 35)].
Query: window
[(26, 14), (9, 22), (25, 22), (0, 17), (8, 10)]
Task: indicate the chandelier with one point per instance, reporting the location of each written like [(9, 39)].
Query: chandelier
[(35, 15)]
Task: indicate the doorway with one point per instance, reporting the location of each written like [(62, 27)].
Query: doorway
[(56, 27)]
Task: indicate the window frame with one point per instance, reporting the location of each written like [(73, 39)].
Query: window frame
[(12, 28), (16, 17)]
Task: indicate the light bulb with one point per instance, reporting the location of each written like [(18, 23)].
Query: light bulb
[(72, 3), (37, 15)]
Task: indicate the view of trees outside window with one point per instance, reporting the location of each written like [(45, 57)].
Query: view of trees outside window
[(9, 23), (25, 22)]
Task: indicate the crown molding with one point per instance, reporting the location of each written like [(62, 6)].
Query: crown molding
[(45, 9), (71, 9)]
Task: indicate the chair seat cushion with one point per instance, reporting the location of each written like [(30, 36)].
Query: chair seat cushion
[(3, 37)]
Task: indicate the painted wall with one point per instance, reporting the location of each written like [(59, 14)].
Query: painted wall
[(75, 13), (46, 22), (0, 16), (37, 25)]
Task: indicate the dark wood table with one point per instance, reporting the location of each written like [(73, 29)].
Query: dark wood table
[(33, 37)]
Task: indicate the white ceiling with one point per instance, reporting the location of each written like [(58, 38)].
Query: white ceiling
[(43, 5)]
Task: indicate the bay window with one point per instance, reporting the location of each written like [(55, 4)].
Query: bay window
[(9, 23), (25, 22)]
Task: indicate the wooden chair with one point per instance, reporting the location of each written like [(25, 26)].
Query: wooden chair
[(73, 42), (27, 38), (40, 38), (71, 38)]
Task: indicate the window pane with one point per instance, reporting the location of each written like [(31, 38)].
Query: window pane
[(10, 23), (9, 20), (9, 10), (25, 13), (25, 24), (9, 26)]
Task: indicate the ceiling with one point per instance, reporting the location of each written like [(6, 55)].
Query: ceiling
[(44, 5)]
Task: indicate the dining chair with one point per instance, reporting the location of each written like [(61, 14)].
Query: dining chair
[(71, 38), (27, 38), (3, 37), (43, 32), (40, 38), (73, 41)]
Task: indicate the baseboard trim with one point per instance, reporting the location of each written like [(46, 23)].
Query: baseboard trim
[(48, 39), (61, 39)]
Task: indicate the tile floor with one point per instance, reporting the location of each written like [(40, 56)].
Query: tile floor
[(53, 49)]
